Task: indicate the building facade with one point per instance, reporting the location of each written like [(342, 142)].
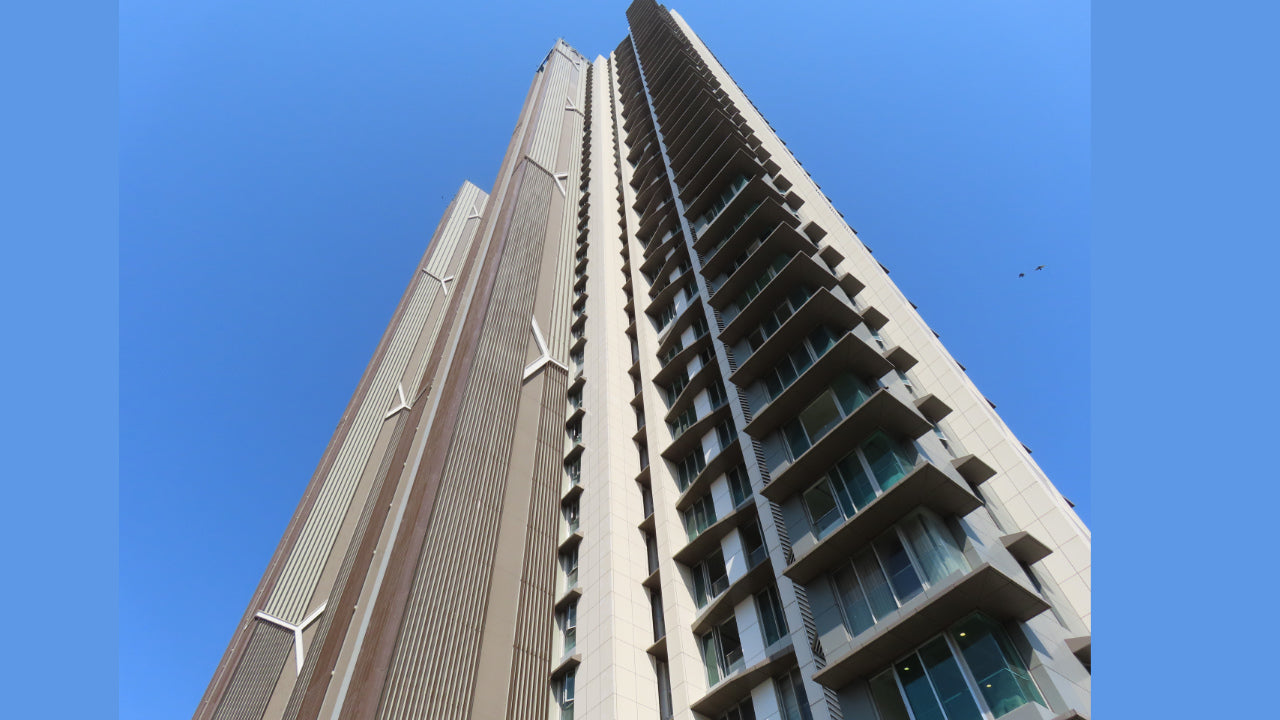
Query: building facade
[(652, 434)]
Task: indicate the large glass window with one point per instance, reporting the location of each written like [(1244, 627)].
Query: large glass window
[(772, 622), (571, 518), (969, 672), (797, 360), (754, 287), (699, 516), (665, 708), (824, 412), (914, 554), (568, 621), (856, 479), (709, 579), (722, 651), (1002, 677), (565, 694), (791, 697), (721, 201), (689, 467), (742, 711), (753, 543), (569, 563), (739, 485), (796, 296)]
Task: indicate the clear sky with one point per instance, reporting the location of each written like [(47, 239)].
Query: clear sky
[(284, 164)]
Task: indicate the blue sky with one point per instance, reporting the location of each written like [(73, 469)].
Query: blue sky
[(283, 165)]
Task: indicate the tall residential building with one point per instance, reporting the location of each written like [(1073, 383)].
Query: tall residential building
[(651, 434)]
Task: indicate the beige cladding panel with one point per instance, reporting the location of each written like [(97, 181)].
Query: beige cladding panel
[(291, 599)]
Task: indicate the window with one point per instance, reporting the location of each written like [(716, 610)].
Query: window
[(755, 286), (824, 412), (677, 386), (753, 543), (571, 515), (739, 485), (665, 709), (699, 516), (646, 500), (939, 433), (792, 700), (670, 355), (796, 296), (568, 622), (726, 433), (665, 316), (906, 383), (875, 335), (699, 326), (898, 565), (574, 431), (689, 467), (651, 548), (721, 201), (574, 469), (655, 609), (970, 672), (742, 711), (683, 421), (564, 695), (772, 622), (722, 651), (857, 479), (709, 579), (716, 393), (793, 365), (737, 224), (569, 563)]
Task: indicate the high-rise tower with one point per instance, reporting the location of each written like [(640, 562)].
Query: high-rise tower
[(651, 435)]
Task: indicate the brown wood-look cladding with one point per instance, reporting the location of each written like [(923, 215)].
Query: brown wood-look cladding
[(433, 669), (388, 612)]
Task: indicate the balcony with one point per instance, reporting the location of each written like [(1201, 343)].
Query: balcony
[(1025, 547), (668, 336), (984, 588), (711, 154), (731, 690), (681, 359), (571, 540), (822, 308), (849, 353), (784, 240), (881, 410), (971, 468), (932, 407), (898, 355), (710, 538), (691, 437), (757, 190), (925, 485), (763, 220), (670, 289), (801, 270), (712, 181), (721, 606), (729, 456)]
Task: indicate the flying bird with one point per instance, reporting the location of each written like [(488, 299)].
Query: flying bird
[(1039, 267), (1022, 274)]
